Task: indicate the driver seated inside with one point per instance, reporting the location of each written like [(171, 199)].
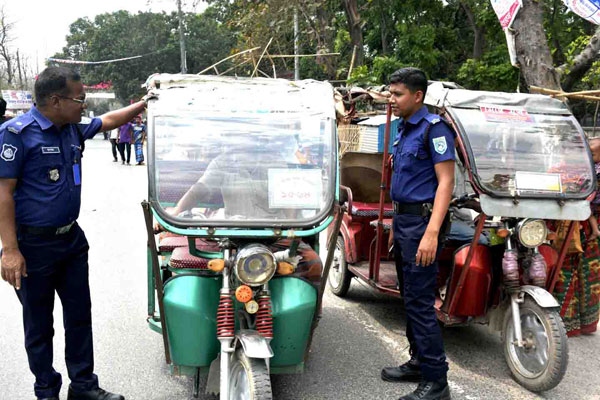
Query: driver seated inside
[(241, 179)]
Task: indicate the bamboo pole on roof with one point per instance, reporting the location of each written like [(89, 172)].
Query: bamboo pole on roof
[(227, 58), (559, 93)]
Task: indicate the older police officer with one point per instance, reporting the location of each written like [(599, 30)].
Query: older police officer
[(43, 248), (422, 183)]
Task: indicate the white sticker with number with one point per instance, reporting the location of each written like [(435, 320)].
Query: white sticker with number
[(295, 188)]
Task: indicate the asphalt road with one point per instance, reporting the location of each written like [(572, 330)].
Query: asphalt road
[(357, 336)]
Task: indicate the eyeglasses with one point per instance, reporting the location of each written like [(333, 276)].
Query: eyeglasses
[(79, 101)]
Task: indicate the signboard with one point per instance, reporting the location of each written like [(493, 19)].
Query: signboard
[(295, 188), (537, 181), (506, 10), (17, 99), (494, 113), (588, 9)]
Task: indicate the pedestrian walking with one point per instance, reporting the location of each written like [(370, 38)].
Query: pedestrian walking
[(114, 135), (139, 137), (43, 248), (422, 184), (125, 139)]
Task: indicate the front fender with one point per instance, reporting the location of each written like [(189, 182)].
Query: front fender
[(255, 345), (541, 296)]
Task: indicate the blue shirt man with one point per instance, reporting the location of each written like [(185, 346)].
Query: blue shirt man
[(43, 249), (422, 184)]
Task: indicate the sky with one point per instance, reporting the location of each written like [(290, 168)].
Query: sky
[(40, 26)]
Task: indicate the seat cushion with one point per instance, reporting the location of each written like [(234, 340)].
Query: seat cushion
[(170, 243), (182, 259), (387, 224), (360, 209)]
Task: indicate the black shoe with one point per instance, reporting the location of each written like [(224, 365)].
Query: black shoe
[(98, 394), (436, 390), (47, 398), (115, 160), (122, 162), (407, 372)]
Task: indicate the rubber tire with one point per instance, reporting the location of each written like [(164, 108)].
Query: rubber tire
[(342, 289), (558, 350), (257, 373)]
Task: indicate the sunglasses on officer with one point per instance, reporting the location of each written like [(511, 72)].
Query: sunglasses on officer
[(79, 101)]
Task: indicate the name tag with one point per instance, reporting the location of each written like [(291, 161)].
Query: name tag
[(50, 150)]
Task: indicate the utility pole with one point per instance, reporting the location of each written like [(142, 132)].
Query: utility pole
[(181, 39), (296, 46)]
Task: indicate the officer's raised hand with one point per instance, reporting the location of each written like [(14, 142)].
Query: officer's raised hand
[(13, 266)]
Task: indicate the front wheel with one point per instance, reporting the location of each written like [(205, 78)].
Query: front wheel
[(249, 378), (542, 361), (339, 275)]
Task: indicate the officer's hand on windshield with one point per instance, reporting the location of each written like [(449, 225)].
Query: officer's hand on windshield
[(427, 249), (13, 267)]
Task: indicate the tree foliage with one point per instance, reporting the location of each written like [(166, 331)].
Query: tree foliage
[(457, 40)]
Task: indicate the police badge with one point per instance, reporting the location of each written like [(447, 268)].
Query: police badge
[(54, 175), (440, 145), (8, 152)]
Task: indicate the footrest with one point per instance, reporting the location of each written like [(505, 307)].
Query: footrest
[(182, 259), (386, 223)]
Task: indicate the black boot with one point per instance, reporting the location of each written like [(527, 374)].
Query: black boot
[(97, 394), (407, 372), (434, 390)]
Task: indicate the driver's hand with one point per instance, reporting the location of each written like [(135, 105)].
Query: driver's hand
[(158, 228), (13, 267)]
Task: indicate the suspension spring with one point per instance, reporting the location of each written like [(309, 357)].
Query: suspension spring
[(264, 317), (225, 316)]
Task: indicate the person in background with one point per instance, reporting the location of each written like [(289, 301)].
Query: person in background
[(139, 137), (114, 135), (125, 139), (578, 286), (3, 117)]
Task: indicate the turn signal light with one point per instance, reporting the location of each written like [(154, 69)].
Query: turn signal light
[(284, 268), (243, 294), (216, 265), (503, 233)]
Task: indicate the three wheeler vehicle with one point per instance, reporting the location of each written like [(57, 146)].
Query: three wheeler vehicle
[(521, 161), (242, 178)]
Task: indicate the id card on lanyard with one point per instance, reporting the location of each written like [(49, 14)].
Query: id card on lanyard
[(76, 165)]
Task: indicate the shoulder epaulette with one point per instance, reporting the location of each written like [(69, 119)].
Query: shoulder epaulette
[(433, 118), (16, 125)]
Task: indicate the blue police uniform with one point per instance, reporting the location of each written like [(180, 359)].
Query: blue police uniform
[(46, 161), (414, 183)]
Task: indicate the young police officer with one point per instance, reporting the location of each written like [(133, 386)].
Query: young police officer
[(43, 248), (422, 183)]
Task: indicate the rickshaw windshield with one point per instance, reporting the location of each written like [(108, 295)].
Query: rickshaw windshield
[(525, 154), (246, 167)]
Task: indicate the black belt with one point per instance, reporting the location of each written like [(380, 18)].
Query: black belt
[(421, 209), (46, 230)]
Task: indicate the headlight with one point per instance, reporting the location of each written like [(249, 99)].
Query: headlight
[(255, 265), (532, 232)]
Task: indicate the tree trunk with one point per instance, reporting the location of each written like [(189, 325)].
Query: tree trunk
[(20, 71), (383, 26), (533, 53), (581, 63), (355, 28), (325, 39), (478, 32)]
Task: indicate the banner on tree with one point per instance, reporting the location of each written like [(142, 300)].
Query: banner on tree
[(506, 10), (588, 9)]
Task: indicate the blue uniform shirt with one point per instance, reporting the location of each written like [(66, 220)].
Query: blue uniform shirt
[(43, 160), (414, 179)]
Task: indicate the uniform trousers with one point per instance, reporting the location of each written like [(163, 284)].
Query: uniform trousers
[(57, 263), (419, 286)]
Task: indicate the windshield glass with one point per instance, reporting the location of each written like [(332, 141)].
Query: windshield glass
[(248, 167), (518, 153)]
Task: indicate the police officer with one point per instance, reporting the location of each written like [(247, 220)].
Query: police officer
[(422, 184), (43, 248)]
